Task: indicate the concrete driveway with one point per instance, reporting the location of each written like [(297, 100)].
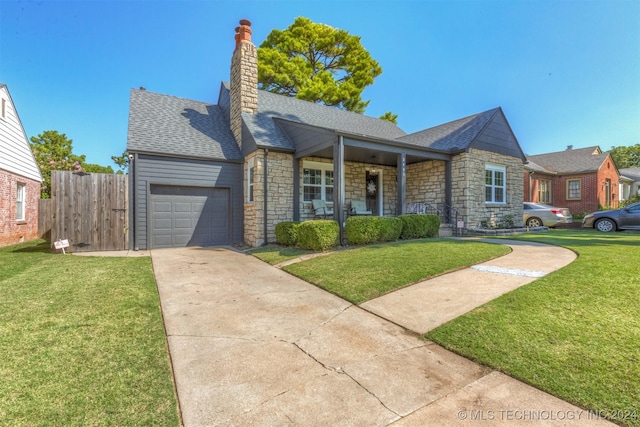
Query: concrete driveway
[(253, 345)]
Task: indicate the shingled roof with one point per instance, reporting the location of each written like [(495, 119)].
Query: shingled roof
[(270, 105), (168, 125), (452, 136), (570, 161)]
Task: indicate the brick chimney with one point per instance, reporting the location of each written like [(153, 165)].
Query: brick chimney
[(244, 79)]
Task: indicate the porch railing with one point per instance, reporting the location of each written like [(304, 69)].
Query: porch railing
[(447, 213)]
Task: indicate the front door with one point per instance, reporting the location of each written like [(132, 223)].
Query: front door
[(372, 191)]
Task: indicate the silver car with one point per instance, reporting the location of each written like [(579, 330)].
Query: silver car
[(627, 218), (539, 214)]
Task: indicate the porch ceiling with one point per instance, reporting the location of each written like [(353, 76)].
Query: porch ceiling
[(318, 142)]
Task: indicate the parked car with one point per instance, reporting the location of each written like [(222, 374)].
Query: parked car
[(627, 218), (538, 214)]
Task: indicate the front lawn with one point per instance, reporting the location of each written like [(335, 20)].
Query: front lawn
[(82, 341), (364, 273), (574, 333)]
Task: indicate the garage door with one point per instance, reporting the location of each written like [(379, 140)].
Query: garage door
[(189, 216)]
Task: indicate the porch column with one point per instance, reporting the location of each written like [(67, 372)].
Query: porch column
[(402, 183), (338, 187), (448, 191), (296, 189)]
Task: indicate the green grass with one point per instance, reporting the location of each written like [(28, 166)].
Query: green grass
[(574, 333), (364, 273), (82, 341), (274, 254)]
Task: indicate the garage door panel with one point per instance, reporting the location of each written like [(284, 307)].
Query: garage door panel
[(189, 216)]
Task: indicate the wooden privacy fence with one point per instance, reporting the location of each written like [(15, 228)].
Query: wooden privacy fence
[(45, 218), (90, 210)]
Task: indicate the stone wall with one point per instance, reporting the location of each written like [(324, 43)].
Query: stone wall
[(426, 182), (279, 193), (468, 188)]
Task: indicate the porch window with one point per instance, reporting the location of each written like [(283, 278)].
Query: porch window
[(544, 191), (495, 184), (20, 202), (317, 181), (573, 189), (250, 175)]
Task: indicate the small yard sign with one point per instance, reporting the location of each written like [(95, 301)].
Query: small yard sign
[(460, 224), (61, 244)]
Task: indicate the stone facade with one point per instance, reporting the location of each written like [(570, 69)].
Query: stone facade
[(426, 182), (279, 194), (11, 230), (468, 188), (244, 79)]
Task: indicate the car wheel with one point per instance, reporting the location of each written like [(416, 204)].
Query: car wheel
[(605, 225), (534, 222)]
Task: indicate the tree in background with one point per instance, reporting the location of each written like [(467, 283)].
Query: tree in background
[(317, 63), (390, 117), (54, 151), (626, 157), (122, 162)]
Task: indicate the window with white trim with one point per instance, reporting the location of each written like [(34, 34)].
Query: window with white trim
[(20, 201), (544, 191), (317, 181), (250, 175), (573, 189), (495, 184)]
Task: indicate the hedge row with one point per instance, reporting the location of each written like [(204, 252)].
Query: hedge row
[(320, 235)]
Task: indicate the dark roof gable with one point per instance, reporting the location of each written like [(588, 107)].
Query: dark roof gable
[(488, 131)]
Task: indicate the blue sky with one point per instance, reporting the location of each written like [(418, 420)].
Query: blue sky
[(564, 72)]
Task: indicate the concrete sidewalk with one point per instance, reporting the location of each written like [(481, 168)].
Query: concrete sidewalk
[(253, 345)]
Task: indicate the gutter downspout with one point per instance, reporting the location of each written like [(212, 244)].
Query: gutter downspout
[(132, 203), (266, 193)]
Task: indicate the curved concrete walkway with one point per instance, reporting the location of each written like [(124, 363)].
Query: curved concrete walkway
[(253, 345), (453, 294)]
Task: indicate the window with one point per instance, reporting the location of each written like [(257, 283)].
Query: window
[(495, 184), (544, 191), (20, 202), (250, 176), (573, 189), (317, 181)]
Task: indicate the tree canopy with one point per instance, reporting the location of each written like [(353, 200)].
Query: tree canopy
[(626, 157), (317, 63), (54, 151)]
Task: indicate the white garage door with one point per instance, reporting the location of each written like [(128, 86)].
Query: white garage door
[(189, 216)]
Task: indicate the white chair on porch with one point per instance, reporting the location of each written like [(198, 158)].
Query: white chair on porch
[(321, 210)]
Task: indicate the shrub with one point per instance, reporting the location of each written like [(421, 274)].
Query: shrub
[(390, 228), (287, 233), (507, 221), (361, 230), (419, 226), (318, 235)]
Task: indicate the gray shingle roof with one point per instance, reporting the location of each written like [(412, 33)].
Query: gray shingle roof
[(271, 105), (571, 161), (453, 136), (166, 124), (632, 173), (532, 166)]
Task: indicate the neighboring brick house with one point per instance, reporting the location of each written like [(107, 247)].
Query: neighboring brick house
[(207, 174), (20, 177), (583, 180)]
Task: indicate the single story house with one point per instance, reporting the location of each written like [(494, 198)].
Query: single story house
[(629, 183), (582, 180), (20, 177), (204, 174)]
